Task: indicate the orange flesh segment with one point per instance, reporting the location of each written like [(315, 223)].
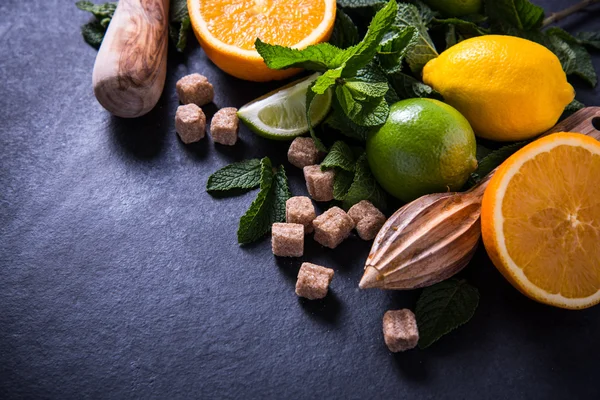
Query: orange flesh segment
[(551, 211), (282, 22)]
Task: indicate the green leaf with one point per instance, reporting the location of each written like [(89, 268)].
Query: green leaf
[(340, 156), (356, 57), (178, 32), (319, 57), (362, 90), (256, 222), (310, 96), (363, 110), (327, 80), (395, 46), (491, 161), (340, 122), (451, 37), (589, 39), (467, 29), (178, 10), (360, 3), (573, 56), (100, 11), (443, 307), (345, 33), (241, 175), (280, 192), (520, 14), (93, 33), (341, 184), (423, 49), (365, 187), (407, 87), (573, 107)]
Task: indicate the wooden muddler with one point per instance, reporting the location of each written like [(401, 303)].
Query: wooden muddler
[(130, 69)]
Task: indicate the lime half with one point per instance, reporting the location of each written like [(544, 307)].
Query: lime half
[(281, 114)]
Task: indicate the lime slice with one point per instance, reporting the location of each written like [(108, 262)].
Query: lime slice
[(281, 114)]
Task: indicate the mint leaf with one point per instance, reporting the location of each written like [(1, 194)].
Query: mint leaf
[(491, 161), (520, 14), (466, 29), (178, 33), (573, 107), (407, 87), (341, 184), (280, 193), (360, 3), (364, 187), (178, 10), (443, 307), (310, 96), (362, 110), (340, 122), (327, 80), (340, 156), (256, 222), (589, 39), (345, 33), (319, 57), (394, 47), (93, 33), (241, 175), (423, 50), (100, 11), (356, 57), (573, 56), (362, 90)]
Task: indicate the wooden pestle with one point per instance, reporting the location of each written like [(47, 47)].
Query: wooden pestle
[(131, 65), (435, 236)]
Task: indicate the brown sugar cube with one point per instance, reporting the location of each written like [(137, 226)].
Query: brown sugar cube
[(313, 281), (319, 183), (190, 123), (224, 126), (303, 152), (400, 330), (300, 210), (195, 88), (287, 240), (332, 227), (367, 218)]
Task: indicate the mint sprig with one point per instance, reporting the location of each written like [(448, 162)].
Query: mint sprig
[(340, 156), (443, 307), (423, 49), (243, 175), (365, 187)]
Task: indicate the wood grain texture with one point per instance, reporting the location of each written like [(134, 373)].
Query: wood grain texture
[(435, 236), (131, 65)]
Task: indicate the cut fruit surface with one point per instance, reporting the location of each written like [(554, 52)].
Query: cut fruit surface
[(281, 114), (227, 31), (540, 220)]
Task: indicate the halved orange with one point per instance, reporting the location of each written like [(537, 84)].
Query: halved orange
[(228, 29), (540, 220)]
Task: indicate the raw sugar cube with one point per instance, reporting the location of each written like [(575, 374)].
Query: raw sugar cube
[(195, 88), (368, 219), (332, 227), (400, 330), (224, 126), (303, 152), (287, 240), (190, 123), (313, 281), (319, 183), (300, 210)]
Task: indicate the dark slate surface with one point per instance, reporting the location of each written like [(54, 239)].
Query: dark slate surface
[(121, 278)]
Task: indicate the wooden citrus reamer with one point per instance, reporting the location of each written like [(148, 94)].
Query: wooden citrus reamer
[(131, 65), (435, 236)]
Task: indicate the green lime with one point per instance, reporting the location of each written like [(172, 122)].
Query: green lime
[(425, 146), (281, 114), (455, 8)]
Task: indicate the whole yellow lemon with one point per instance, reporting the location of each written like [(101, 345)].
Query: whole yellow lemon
[(508, 88)]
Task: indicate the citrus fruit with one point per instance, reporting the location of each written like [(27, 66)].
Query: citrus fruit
[(227, 31), (425, 146), (507, 87), (455, 8), (540, 220), (281, 114)]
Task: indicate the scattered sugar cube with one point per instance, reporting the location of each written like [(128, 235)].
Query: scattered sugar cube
[(313, 281), (300, 210), (224, 126), (400, 330), (332, 227), (319, 183), (303, 152), (287, 240), (367, 218), (195, 88), (190, 123)]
